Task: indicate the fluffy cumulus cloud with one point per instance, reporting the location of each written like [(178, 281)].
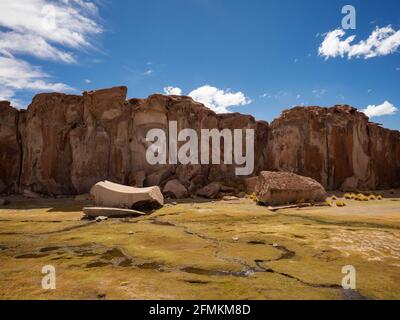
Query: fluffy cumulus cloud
[(381, 42), (216, 99), (173, 91), (383, 109), (45, 29)]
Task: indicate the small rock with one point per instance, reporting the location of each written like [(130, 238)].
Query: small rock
[(101, 218), (175, 189), (235, 238), (84, 197), (131, 232), (30, 194), (124, 284), (4, 202), (174, 203), (227, 189), (101, 296), (230, 198), (275, 245), (210, 191), (86, 217)]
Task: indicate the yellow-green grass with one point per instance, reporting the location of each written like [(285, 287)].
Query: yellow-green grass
[(210, 250)]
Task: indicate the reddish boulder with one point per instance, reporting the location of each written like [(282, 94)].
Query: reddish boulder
[(175, 189), (277, 188), (210, 191)]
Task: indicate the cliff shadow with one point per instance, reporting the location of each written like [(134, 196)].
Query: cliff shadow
[(48, 204)]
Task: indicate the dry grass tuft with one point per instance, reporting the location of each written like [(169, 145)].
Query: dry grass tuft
[(349, 196), (340, 204)]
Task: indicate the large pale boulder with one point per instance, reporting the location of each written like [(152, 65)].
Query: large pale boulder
[(108, 194), (277, 188), (175, 189)]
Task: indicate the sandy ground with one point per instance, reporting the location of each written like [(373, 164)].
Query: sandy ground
[(203, 250)]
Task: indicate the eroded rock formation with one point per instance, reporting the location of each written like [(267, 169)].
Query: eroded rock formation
[(10, 148), (336, 146), (64, 144)]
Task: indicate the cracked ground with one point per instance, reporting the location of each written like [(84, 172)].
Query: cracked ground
[(202, 250)]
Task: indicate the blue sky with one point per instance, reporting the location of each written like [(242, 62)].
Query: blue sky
[(266, 50)]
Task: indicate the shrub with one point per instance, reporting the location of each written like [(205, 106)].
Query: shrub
[(379, 197), (361, 197), (253, 197), (333, 198), (340, 204), (372, 197), (349, 196)]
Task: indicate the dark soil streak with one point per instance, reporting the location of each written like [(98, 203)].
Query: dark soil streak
[(249, 270)]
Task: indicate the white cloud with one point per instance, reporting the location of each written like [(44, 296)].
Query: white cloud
[(333, 46), (6, 94), (18, 75), (58, 21), (88, 81), (148, 72), (217, 99), (15, 43), (173, 91), (381, 42), (383, 109), (318, 93), (45, 29)]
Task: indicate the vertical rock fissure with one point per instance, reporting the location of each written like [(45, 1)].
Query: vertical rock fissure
[(328, 172), (21, 150)]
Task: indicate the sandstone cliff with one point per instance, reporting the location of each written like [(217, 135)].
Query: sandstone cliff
[(63, 144), (337, 146)]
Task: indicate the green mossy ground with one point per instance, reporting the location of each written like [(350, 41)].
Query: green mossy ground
[(201, 250)]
